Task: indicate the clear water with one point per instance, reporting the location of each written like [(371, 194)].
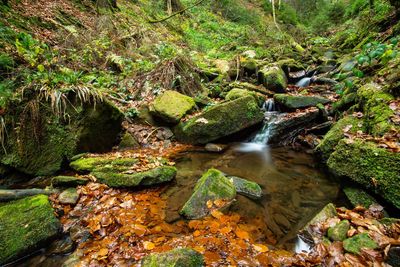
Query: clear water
[(304, 82)]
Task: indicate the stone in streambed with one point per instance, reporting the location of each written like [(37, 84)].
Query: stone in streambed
[(211, 188), (273, 78), (220, 120), (216, 148), (180, 257), (68, 181), (359, 197), (245, 187), (171, 106), (339, 231), (236, 93), (357, 242), (113, 178), (25, 225), (393, 256), (69, 196), (90, 163), (299, 101)]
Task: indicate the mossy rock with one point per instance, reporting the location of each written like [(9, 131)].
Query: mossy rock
[(335, 134), (89, 164), (251, 87), (339, 231), (26, 225), (68, 181), (377, 113), (41, 146), (219, 121), (299, 101), (357, 242), (128, 142), (172, 106), (69, 196), (273, 78), (345, 102), (365, 163), (180, 257), (236, 93), (359, 197), (212, 186), (113, 178), (245, 187)]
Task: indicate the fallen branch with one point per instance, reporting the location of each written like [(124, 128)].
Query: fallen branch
[(13, 194), (177, 13)]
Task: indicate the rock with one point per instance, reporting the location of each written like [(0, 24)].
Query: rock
[(179, 257), (223, 66), (128, 142), (339, 231), (113, 178), (73, 260), (172, 106), (61, 246), (345, 102), (306, 233), (79, 233), (215, 147), (359, 197), (245, 187), (68, 181), (88, 129), (236, 93), (69, 196), (369, 165), (298, 101), (219, 121), (357, 242), (251, 87), (211, 188), (336, 133), (393, 257), (26, 225), (249, 54), (249, 66), (88, 164), (273, 78), (164, 133)]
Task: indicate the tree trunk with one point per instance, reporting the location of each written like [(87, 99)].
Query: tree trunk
[(173, 6), (108, 4)]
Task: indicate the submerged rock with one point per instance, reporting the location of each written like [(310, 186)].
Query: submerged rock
[(219, 121), (339, 231), (180, 257), (68, 181), (210, 147), (213, 190), (245, 187), (171, 106), (273, 78), (25, 225), (369, 165), (357, 242), (69, 196), (299, 101)]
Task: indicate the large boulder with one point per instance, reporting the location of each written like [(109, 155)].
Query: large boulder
[(212, 191), (171, 106), (39, 142), (273, 78), (236, 93), (219, 121), (26, 225), (180, 257), (373, 167), (299, 101)]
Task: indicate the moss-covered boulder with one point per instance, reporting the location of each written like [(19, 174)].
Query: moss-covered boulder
[(88, 164), (68, 181), (219, 121), (339, 231), (336, 133), (273, 78), (369, 165), (39, 142), (128, 142), (236, 93), (213, 190), (245, 187), (114, 178), (180, 257), (251, 87), (357, 242), (359, 197), (25, 225), (298, 101), (171, 106)]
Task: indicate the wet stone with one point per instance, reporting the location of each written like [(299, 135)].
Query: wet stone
[(68, 181), (339, 231), (245, 187), (69, 196)]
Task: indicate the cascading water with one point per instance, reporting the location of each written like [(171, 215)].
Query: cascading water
[(304, 82)]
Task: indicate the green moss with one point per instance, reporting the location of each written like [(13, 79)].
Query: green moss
[(299, 101), (68, 181), (236, 93), (88, 164), (25, 225), (339, 231), (373, 167), (345, 102), (180, 257), (359, 197), (335, 134), (128, 142), (108, 176), (357, 242), (213, 185), (219, 121), (273, 78), (246, 188), (171, 106)]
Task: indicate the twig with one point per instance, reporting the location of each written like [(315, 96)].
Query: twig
[(177, 13)]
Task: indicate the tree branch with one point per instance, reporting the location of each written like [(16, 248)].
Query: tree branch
[(177, 13)]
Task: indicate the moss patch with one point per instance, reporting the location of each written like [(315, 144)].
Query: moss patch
[(25, 225), (359, 197), (273, 78), (245, 187), (298, 101), (171, 106), (357, 242), (180, 257)]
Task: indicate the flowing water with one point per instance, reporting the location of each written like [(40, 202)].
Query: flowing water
[(304, 82)]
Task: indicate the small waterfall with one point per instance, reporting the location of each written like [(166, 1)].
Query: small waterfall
[(304, 82), (262, 137), (269, 105)]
